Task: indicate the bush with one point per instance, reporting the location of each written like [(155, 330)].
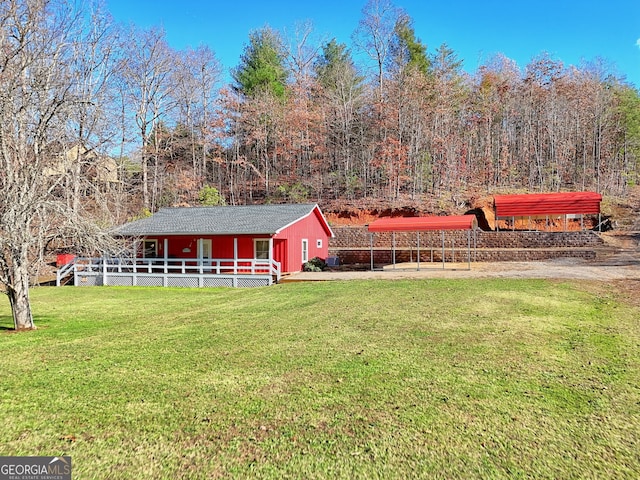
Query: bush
[(211, 197), (316, 264)]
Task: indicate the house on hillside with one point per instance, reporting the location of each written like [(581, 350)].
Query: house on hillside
[(101, 170), (247, 245)]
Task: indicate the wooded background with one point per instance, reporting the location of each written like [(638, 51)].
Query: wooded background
[(102, 123), (299, 120)]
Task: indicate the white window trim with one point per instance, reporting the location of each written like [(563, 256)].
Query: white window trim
[(144, 247), (305, 251), (319, 243), (255, 247)]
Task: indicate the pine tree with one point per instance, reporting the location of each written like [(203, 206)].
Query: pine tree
[(261, 68)]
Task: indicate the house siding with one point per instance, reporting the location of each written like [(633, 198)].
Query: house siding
[(310, 228), (287, 243)]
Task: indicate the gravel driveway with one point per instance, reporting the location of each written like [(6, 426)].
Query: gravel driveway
[(621, 260)]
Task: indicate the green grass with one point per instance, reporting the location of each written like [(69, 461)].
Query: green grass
[(377, 379)]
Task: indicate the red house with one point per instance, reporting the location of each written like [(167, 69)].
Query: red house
[(246, 245)]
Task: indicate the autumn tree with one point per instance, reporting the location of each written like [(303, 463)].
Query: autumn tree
[(195, 76), (341, 94), (260, 81)]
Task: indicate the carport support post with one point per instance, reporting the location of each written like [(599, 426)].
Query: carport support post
[(469, 249), (442, 232), (418, 260), (371, 249), (393, 250)]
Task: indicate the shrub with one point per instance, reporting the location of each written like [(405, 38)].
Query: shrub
[(316, 264), (211, 197)]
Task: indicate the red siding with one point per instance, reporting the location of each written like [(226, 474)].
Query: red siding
[(287, 244), (280, 253), (222, 246), (547, 204), (312, 228)]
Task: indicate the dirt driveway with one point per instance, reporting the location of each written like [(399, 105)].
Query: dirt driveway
[(619, 260), (566, 268)]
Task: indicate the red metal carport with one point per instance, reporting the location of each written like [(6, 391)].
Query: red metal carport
[(420, 224), (545, 204)]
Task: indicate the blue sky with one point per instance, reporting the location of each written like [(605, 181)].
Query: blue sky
[(572, 31)]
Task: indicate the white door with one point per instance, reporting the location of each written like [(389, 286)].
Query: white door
[(204, 253)]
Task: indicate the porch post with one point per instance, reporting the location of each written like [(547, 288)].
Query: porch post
[(135, 256), (271, 257), (235, 255), (200, 254), (166, 253)]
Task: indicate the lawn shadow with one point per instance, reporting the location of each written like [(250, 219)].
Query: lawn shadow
[(6, 322)]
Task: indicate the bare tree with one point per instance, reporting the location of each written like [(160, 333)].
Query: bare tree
[(148, 77), (38, 41), (196, 74), (375, 32)]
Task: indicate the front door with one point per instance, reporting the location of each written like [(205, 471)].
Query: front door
[(204, 253)]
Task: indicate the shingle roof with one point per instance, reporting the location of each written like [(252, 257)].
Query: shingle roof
[(229, 220)]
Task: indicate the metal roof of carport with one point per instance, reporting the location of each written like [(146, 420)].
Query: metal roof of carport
[(418, 224), (530, 204)]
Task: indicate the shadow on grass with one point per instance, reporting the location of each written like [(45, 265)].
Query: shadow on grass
[(6, 322)]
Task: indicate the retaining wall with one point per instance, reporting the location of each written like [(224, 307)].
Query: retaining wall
[(353, 245)]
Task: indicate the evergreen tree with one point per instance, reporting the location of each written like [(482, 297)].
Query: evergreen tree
[(261, 68), (407, 51), (629, 110), (335, 67)]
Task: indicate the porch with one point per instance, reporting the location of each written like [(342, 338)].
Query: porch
[(171, 272)]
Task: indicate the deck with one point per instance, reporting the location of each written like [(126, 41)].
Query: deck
[(171, 272)]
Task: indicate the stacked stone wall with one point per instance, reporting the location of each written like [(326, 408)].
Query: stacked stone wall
[(353, 245)]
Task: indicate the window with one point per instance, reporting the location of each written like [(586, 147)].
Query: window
[(261, 248), (150, 248), (305, 250), (319, 243)]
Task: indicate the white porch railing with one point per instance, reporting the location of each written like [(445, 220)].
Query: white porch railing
[(187, 272)]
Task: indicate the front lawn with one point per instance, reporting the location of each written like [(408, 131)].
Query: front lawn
[(367, 379)]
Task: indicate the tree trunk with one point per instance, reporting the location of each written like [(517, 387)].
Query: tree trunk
[(18, 294)]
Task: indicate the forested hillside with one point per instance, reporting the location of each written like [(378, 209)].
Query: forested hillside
[(101, 123), (301, 120)]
